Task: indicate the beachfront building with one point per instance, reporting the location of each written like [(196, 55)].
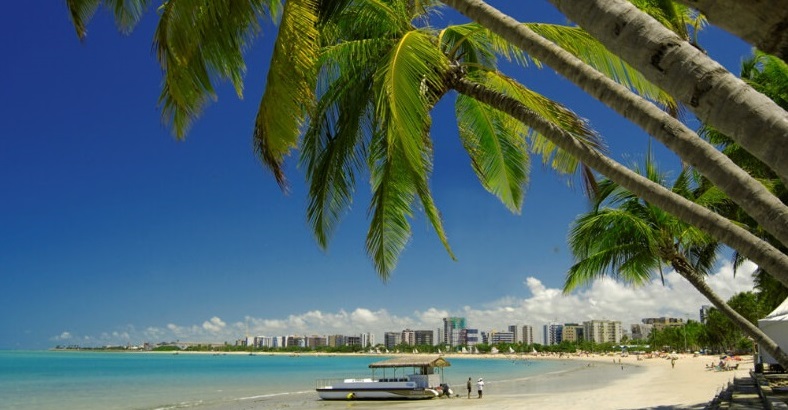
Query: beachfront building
[(552, 334), (424, 337), (572, 332), (660, 323), (501, 337), (470, 336), (452, 329), (367, 340), (336, 340), (353, 341), (640, 331), (408, 337), (315, 341), (602, 331), (528, 334), (516, 332), (392, 339)]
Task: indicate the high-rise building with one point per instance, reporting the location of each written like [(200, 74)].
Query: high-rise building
[(553, 334), (316, 341), (516, 332), (391, 339), (452, 327), (367, 340), (602, 331), (572, 332), (471, 337), (528, 334), (408, 337), (424, 337)]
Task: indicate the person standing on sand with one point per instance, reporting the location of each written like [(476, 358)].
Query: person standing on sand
[(468, 385), (480, 387)]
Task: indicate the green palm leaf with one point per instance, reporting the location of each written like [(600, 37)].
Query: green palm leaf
[(496, 145), (585, 47), (127, 13), (289, 87), (197, 42), (401, 158)]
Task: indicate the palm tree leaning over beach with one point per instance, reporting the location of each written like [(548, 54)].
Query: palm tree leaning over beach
[(765, 208), (630, 239), (768, 75), (191, 58)]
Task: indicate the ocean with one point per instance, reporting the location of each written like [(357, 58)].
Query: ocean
[(71, 380)]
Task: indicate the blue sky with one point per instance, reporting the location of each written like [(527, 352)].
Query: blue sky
[(113, 231)]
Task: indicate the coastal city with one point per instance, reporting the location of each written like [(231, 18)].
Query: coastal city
[(455, 335)]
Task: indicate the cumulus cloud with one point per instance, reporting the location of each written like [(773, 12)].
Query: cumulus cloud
[(215, 325), (534, 304)]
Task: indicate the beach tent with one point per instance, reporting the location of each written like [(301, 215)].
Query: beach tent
[(775, 325)]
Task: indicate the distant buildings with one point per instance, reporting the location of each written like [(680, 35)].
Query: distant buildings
[(455, 333), (452, 329), (573, 332), (602, 331), (553, 334), (528, 334), (392, 339)]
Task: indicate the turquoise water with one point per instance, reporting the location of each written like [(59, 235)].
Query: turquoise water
[(99, 380)]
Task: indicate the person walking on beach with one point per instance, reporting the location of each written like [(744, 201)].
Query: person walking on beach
[(468, 385), (480, 387)]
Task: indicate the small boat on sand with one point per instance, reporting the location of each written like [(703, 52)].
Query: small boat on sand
[(408, 378)]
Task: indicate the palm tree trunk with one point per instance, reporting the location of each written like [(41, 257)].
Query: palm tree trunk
[(764, 207), (713, 94), (760, 23), (722, 229), (687, 272)]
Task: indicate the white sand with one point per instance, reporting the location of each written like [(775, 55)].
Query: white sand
[(687, 384)]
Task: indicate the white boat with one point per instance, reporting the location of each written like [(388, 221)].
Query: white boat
[(422, 383)]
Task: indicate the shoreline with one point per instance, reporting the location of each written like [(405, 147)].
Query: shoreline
[(589, 382)]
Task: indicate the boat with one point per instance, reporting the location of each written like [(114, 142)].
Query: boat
[(422, 382)]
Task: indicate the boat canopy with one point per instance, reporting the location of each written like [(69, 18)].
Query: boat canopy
[(412, 361)]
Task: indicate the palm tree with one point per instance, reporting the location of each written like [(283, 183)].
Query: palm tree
[(748, 117), (737, 184), (402, 159), (760, 23), (410, 84), (631, 239), (768, 75)]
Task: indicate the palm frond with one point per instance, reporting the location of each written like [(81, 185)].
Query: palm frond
[(585, 47), (198, 42), (611, 242), (496, 145), (392, 197), (553, 112), (289, 87), (127, 13), (402, 155)]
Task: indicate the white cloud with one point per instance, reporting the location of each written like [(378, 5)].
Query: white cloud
[(536, 305), (215, 325), (63, 336)]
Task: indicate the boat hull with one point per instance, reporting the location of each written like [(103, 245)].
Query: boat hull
[(383, 393)]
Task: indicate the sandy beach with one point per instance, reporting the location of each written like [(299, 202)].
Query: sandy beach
[(598, 382)]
